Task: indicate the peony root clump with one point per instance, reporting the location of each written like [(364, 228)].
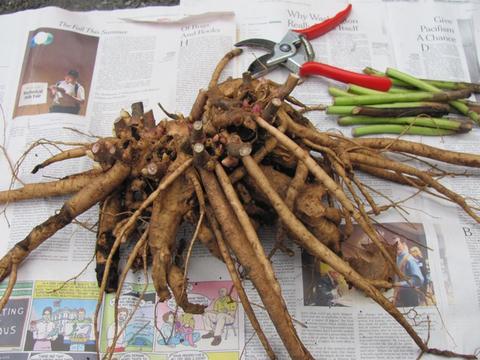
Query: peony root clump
[(243, 158)]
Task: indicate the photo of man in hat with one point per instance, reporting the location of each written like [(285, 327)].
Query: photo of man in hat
[(68, 94)]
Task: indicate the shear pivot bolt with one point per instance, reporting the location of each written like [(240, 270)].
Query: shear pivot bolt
[(285, 47)]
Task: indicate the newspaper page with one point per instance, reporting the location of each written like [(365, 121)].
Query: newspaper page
[(439, 43), (461, 284), (153, 55), (116, 63), (346, 317), (329, 314)]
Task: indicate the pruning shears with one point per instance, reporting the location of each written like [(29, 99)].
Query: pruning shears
[(295, 52)]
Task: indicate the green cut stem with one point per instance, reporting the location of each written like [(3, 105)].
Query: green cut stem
[(412, 81), (409, 97), (392, 110), (340, 110), (333, 91), (442, 84), (437, 123), (420, 84), (408, 104), (395, 82), (399, 129), (454, 85), (398, 90), (360, 90), (396, 112)]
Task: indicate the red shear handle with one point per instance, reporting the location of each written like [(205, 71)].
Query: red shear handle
[(381, 83), (325, 26)]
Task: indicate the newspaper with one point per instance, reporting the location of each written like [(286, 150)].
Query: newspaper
[(165, 55)]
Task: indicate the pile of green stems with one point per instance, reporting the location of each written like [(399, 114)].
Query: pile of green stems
[(412, 106)]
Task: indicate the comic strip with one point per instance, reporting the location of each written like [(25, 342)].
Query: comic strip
[(61, 317), (135, 320), (220, 328), (14, 315), (53, 320)]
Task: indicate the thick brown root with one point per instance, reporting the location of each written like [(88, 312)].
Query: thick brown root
[(127, 227), (69, 185), (64, 155), (236, 240), (297, 183), (92, 193), (309, 206), (367, 262), (334, 188), (9, 289), (405, 146), (175, 280), (389, 175), (167, 214), (198, 106), (424, 177), (246, 224), (110, 211), (227, 258), (221, 65)]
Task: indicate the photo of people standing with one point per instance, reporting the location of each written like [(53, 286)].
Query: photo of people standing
[(416, 289), (56, 73), (61, 325), (323, 286)]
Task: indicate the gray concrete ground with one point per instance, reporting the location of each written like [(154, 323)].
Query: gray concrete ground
[(9, 6)]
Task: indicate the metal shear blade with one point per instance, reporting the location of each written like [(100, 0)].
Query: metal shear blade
[(264, 44), (259, 66)]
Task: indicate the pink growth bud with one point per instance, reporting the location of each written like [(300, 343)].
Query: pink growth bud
[(257, 109), (96, 148)]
